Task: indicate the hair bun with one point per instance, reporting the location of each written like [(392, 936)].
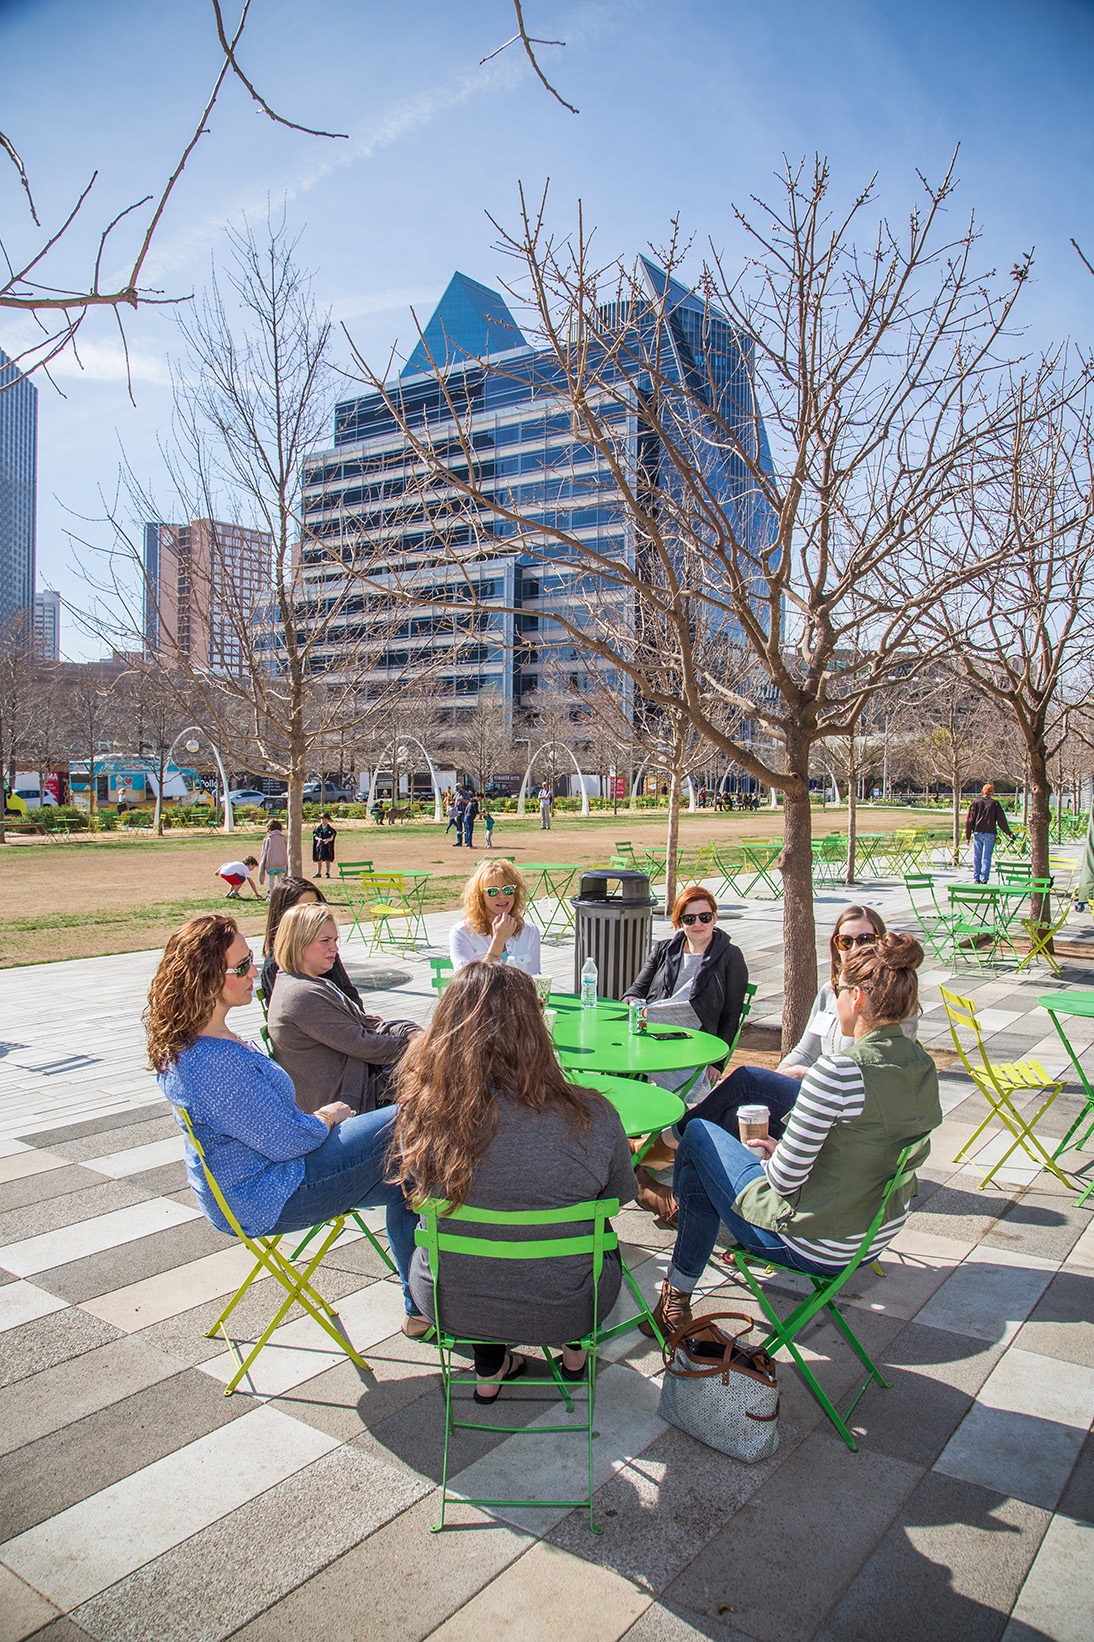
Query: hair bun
[(899, 951)]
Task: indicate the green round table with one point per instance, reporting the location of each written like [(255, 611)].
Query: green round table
[(643, 1107), (599, 1040)]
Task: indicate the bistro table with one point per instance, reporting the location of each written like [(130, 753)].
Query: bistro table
[(554, 882), (600, 1040), (1078, 1002), (644, 1108), (996, 906), (761, 855)]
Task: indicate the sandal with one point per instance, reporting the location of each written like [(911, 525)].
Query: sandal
[(514, 1368)]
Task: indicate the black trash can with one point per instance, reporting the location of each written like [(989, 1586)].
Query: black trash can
[(614, 926)]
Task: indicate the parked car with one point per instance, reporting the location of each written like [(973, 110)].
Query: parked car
[(316, 792), (248, 795)]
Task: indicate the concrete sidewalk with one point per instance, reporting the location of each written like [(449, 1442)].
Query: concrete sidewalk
[(136, 1501)]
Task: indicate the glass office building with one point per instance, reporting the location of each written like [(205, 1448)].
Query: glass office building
[(473, 591), (18, 499)]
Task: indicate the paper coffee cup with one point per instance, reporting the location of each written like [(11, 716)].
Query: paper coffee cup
[(752, 1121), (550, 1016), (543, 986)]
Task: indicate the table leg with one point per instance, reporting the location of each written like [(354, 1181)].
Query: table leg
[(1088, 1110)]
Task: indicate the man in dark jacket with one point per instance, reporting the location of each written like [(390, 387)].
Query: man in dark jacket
[(982, 824), (460, 811), (469, 817)]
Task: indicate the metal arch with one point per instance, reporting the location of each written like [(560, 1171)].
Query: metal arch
[(195, 729), (531, 763)]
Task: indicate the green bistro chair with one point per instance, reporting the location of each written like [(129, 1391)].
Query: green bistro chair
[(785, 1330), (934, 923), (746, 1010), (442, 973), (352, 875), (582, 1228)]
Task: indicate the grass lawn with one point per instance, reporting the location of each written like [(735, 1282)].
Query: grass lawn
[(115, 893)]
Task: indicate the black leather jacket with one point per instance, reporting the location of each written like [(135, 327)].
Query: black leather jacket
[(718, 990)]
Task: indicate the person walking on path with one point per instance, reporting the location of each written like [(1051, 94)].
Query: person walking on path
[(322, 845), (546, 801), (982, 824), (273, 863), (470, 815), (236, 874)]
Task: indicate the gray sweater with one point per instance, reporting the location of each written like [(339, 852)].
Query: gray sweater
[(327, 1045), (534, 1162)]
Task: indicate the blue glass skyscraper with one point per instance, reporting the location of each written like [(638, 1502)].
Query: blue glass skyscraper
[(18, 500), (474, 384)]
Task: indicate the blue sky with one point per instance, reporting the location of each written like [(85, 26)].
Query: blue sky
[(686, 106)]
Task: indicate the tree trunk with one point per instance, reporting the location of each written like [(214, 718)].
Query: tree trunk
[(162, 778), (1040, 825), (294, 819), (672, 838), (852, 795), (957, 796), (796, 865)]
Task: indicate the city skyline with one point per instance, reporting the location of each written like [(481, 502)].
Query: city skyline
[(709, 98)]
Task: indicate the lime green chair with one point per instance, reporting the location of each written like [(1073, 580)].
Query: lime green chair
[(268, 1258), (785, 1330), (442, 973), (581, 1228)]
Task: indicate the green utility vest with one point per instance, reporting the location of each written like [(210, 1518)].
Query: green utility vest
[(858, 1159)]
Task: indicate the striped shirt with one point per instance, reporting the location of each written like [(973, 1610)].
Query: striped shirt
[(832, 1092)]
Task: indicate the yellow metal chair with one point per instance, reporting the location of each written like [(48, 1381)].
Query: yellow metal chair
[(999, 1083), (385, 907), (268, 1258), (1041, 933)]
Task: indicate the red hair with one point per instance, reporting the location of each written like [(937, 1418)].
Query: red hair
[(694, 892)]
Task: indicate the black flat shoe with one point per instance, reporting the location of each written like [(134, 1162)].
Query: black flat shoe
[(573, 1374), (516, 1367)]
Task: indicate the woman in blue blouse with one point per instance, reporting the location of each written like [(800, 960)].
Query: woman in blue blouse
[(281, 1169)]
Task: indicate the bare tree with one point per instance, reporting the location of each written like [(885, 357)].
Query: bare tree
[(483, 737), (90, 717), (959, 731), (867, 367)]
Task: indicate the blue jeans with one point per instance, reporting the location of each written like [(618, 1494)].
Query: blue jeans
[(347, 1172), (983, 843), (747, 1086), (468, 831), (712, 1169)]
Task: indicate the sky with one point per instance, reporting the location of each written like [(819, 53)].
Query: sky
[(687, 107)]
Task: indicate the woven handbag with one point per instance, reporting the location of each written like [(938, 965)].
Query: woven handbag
[(719, 1391)]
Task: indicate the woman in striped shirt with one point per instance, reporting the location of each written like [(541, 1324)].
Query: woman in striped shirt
[(808, 1202)]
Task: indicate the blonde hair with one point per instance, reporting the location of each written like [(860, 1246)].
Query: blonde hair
[(477, 913), (299, 928)]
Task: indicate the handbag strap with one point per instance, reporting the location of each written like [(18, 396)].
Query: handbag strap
[(759, 1364), (706, 1324)]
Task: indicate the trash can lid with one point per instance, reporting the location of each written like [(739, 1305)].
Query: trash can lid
[(632, 887)]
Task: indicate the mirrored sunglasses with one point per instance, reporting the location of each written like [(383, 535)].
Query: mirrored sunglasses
[(502, 889), (242, 966)]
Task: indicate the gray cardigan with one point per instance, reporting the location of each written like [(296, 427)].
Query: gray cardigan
[(327, 1045)]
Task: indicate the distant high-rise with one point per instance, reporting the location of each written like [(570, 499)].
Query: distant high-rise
[(18, 495), (205, 584), (47, 626)]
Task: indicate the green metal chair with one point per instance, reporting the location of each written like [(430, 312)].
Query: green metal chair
[(785, 1330), (746, 1010), (581, 1228), (442, 973), (352, 874), (268, 1258), (934, 923)]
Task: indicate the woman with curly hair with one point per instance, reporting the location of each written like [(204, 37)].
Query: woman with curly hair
[(494, 927), (280, 1169), (486, 1117), (806, 1200)]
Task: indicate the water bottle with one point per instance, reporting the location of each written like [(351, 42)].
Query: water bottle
[(588, 984)]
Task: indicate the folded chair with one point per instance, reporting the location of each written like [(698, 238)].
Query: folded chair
[(999, 1083), (785, 1330), (1041, 932), (268, 1258), (583, 1229)]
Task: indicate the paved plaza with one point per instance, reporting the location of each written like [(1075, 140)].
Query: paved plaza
[(137, 1502)]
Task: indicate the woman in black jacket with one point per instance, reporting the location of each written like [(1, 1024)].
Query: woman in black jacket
[(696, 978)]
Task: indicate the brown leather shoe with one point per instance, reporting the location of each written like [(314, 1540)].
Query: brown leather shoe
[(660, 1156), (671, 1312), (652, 1195)]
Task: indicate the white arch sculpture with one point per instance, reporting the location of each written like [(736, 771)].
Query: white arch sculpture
[(195, 729), (531, 763)]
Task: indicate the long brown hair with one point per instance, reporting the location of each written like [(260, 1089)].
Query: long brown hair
[(886, 973), (845, 917), (487, 1037), (186, 986), (282, 898)]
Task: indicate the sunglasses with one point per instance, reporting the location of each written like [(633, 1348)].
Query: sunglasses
[(846, 942), (503, 889), (696, 917), (243, 966)]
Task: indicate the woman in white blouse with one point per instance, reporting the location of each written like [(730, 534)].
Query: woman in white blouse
[(494, 928)]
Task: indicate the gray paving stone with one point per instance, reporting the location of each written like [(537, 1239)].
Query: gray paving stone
[(61, 1630), (49, 1340), (37, 1188), (952, 1562), (61, 1395), (116, 1268), (1041, 1225), (398, 1585), (165, 1181), (54, 1139), (56, 1213), (1062, 1323), (47, 1476), (23, 1611), (666, 1622), (934, 1376), (403, 1371), (840, 1505), (205, 1589), (958, 1210), (1077, 1499), (988, 1299)]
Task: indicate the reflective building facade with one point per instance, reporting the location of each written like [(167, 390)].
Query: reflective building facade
[(18, 497), (365, 501)]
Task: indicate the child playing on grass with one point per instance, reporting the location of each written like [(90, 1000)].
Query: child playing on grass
[(273, 863), (236, 874), (488, 823)]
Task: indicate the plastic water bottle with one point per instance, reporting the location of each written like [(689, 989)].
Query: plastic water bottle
[(589, 977)]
